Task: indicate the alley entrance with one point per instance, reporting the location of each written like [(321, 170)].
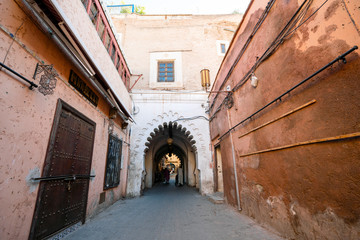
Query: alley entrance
[(166, 212), (170, 151)]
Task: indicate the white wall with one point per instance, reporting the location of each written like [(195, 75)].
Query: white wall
[(154, 110), (192, 41)]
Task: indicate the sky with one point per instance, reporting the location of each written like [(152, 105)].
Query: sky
[(188, 6)]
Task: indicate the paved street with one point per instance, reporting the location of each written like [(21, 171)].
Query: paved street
[(165, 213)]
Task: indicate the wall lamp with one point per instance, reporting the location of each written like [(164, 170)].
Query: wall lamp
[(205, 81), (254, 80)]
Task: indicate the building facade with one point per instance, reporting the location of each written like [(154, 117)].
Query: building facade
[(168, 52), (288, 132), (65, 116)]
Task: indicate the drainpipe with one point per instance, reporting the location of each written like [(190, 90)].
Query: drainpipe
[(234, 163), (44, 26)]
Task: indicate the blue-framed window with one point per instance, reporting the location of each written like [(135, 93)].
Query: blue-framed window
[(166, 71), (223, 48)]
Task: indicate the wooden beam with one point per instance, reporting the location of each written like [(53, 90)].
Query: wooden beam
[(282, 116), (330, 139)]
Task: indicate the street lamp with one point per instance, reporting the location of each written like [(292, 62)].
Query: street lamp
[(205, 78), (205, 81)]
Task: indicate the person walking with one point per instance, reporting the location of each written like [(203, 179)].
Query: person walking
[(180, 176), (167, 175)]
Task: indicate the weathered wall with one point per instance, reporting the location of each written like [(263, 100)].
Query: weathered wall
[(154, 109), (191, 35), (192, 41), (310, 191), (26, 119), (77, 18)]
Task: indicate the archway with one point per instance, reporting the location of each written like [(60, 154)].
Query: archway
[(170, 139)]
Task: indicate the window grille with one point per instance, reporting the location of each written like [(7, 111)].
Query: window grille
[(107, 41), (97, 17), (93, 13), (113, 51), (118, 62), (85, 3), (101, 28), (166, 71)]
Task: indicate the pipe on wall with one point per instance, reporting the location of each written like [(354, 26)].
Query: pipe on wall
[(32, 84), (45, 28), (234, 162)]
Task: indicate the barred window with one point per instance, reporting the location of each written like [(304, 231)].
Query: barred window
[(113, 162), (166, 71), (118, 62), (107, 41), (113, 51), (85, 3), (101, 28), (93, 14)]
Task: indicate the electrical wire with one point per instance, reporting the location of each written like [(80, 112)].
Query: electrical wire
[(293, 24), (243, 49), (191, 118), (279, 98), (12, 42)]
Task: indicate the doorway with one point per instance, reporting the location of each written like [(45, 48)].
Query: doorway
[(64, 185), (218, 175), (172, 146)]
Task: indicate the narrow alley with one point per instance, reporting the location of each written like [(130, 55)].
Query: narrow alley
[(256, 101), (169, 212)]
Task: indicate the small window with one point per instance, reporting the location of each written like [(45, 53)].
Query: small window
[(223, 48), (166, 71), (125, 79), (118, 62), (101, 28), (121, 69), (85, 3), (93, 14), (113, 51), (107, 41), (113, 162)]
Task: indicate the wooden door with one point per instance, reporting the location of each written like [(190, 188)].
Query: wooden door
[(218, 171), (64, 184)]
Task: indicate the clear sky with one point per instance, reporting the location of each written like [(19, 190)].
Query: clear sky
[(188, 6)]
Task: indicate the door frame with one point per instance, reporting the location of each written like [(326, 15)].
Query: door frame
[(49, 153), (215, 167)]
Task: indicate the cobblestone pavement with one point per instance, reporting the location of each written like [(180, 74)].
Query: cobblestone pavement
[(169, 213)]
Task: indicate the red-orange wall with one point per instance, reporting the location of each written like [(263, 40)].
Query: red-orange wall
[(26, 119), (310, 191)]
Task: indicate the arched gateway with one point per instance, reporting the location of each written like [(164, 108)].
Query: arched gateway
[(172, 145), (149, 146)]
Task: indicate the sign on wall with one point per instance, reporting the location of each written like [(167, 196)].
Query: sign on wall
[(81, 86), (113, 162)]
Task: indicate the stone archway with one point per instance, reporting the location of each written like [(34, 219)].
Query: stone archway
[(183, 146), (146, 128)]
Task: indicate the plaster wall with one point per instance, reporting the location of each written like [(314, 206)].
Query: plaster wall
[(193, 36), (75, 16), (149, 168), (304, 192), (155, 108), (26, 119), (192, 41)]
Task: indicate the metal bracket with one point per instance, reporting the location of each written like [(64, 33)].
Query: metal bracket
[(63, 177), (47, 80)]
